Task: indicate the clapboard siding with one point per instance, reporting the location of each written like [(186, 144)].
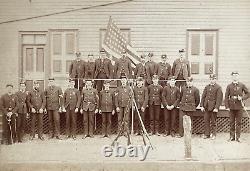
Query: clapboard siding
[(157, 26)]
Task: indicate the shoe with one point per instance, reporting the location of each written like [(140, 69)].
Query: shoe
[(172, 134), (212, 137), (91, 136), (41, 138), (238, 140), (178, 136), (58, 137), (74, 137), (103, 136), (84, 136), (20, 141), (150, 133), (205, 137), (32, 138), (69, 136), (158, 134), (108, 136), (231, 139)]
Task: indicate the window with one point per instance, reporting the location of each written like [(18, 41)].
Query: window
[(202, 52)]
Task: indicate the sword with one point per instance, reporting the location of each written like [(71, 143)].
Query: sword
[(9, 123)]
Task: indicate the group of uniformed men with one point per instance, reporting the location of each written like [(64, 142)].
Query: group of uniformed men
[(157, 85)]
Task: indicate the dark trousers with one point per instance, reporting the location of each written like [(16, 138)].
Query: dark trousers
[(181, 114), (162, 83), (99, 83), (88, 122), (154, 115), (70, 122), (210, 115), (137, 122), (170, 117), (54, 122), (21, 122), (39, 118), (10, 129), (235, 123), (123, 118), (106, 123), (181, 83), (78, 83)]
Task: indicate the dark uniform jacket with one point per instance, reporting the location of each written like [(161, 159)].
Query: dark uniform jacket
[(181, 69), (53, 96), (71, 98), (76, 69), (233, 90), (122, 97), (107, 100), (90, 99), (170, 96), (123, 65), (151, 70), (104, 66), (163, 70), (155, 94), (190, 98), (89, 70), (22, 101), (36, 99), (211, 97), (9, 103), (140, 70), (141, 96)]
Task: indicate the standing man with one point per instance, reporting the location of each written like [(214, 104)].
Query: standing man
[(141, 100), (107, 107), (76, 71), (123, 66), (36, 102), (54, 97), (89, 107), (155, 100), (150, 69), (189, 100), (210, 103), (104, 69), (89, 67), (71, 100), (170, 100), (140, 69), (236, 92), (22, 95), (163, 70), (123, 102), (9, 107), (181, 69)]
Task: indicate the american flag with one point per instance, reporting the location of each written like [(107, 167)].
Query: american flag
[(115, 42)]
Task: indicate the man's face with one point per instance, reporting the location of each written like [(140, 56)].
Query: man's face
[(155, 81), (88, 84), (71, 84), (36, 86), (149, 58), (124, 54), (22, 87), (9, 89), (189, 83), (143, 60), (140, 83), (181, 55), (90, 58), (212, 80), (164, 60), (51, 83), (172, 82), (124, 81), (102, 55), (235, 77), (106, 86)]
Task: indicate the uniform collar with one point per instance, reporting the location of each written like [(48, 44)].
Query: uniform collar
[(235, 82)]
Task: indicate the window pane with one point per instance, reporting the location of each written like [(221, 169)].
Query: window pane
[(195, 44), (209, 44), (209, 68), (28, 39), (70, 43), (40, 39), (195, 68), (40, 60), (57, 66), (68, 62), (29, 59), (57, 44)]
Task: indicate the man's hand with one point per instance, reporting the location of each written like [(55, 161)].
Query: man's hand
[(171, 107), (117, 109), (63, 109), (9, 114), (33, 110), (215, 110), (113, 112), (168, 107), (227, 109), (96, 111), (202, 109), (81, 111), (239, 98), (100, 111), (60, 110), (76, 110), (41, 110), (142, 109)]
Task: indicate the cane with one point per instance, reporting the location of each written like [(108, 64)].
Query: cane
[(9, 123)]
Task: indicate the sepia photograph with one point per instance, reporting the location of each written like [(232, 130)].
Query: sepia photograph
[(124, 85)]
